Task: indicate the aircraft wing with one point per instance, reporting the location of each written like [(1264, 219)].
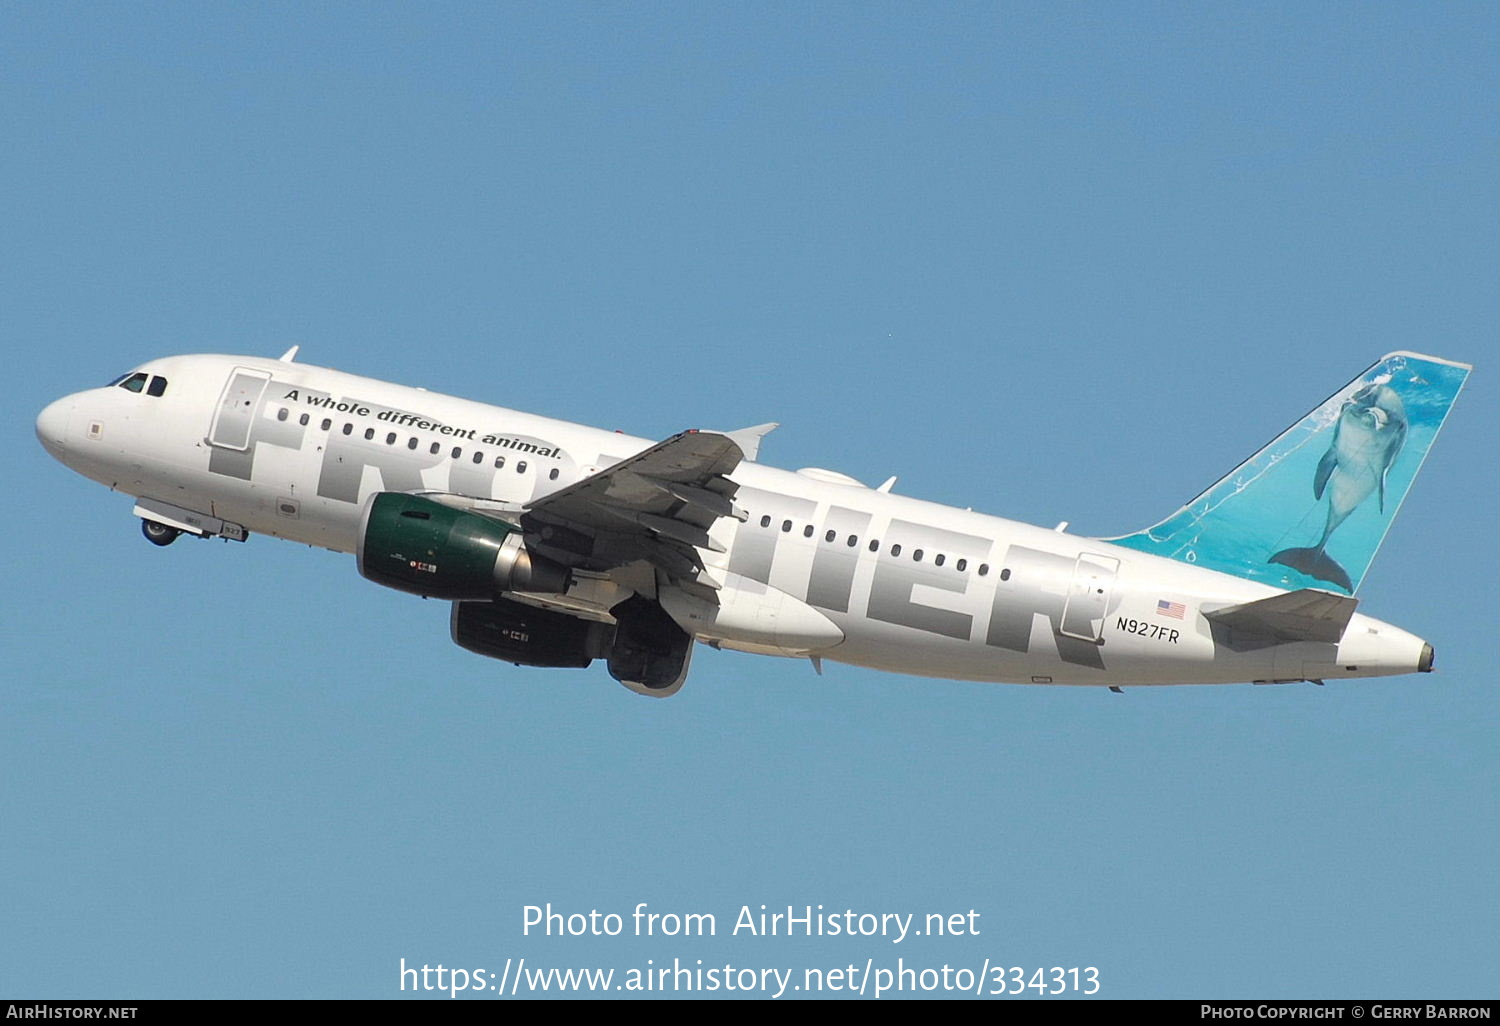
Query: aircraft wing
[(656, 506)]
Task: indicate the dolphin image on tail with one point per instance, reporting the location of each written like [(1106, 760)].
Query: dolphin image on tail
[(1366, 440), (1349, 445)]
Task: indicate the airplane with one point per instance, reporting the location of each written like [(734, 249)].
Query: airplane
[(558, 544)]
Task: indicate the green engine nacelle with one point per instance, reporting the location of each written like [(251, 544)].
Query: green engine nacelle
[(414, 544)]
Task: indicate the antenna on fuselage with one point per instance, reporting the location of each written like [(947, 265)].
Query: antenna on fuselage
[(290, 354)]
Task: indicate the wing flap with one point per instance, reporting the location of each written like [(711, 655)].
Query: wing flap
[(657, 506), (675, 530), (716, 504)]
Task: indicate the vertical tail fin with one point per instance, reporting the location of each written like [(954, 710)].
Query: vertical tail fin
[(1310, 509)]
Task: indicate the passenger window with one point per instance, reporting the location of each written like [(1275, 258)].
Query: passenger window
[(326, 424), (1005, 574), (134, 383), (157, 387), (436, 448), (281, 414), (874, 544), (786, 525), (961, 565), (457, 452), (938, 560), (853, 540), (830, 536), (348, 429), (895, 550), (917, 556), (390, 439), (521, 467), (807, 531), (411, 443), (552, 474), (984, 568), (369, 433), (765, 521), (499, 462), (303, 420), (478, 458)]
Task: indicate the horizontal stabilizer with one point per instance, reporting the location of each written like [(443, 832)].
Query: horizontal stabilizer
[(1306, 615)]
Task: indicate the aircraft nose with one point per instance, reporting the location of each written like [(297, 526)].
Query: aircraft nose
[(52, 426)]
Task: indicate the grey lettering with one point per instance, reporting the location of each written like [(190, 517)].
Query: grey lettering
[(835, 562), (1039, 582), (754, 546), (891, 589), (345, 459), (249, 425)]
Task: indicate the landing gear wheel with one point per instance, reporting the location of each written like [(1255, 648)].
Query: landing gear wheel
[(158, 534)]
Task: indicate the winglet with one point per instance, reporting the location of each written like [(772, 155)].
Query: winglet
[(748, 439)]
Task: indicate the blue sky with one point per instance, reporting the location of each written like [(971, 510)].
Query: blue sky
[(1054, 262)]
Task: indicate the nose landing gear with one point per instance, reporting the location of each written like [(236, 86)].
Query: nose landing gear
[(158, 534)]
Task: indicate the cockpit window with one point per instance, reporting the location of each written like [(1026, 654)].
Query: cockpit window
[(157, 387), (135, 382)]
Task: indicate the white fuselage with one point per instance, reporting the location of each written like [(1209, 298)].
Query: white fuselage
[(295, 451)]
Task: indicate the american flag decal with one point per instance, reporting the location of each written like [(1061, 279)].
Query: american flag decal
[(1173, 609)]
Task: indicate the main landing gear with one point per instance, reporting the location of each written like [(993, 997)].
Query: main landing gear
[(158, 534)]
